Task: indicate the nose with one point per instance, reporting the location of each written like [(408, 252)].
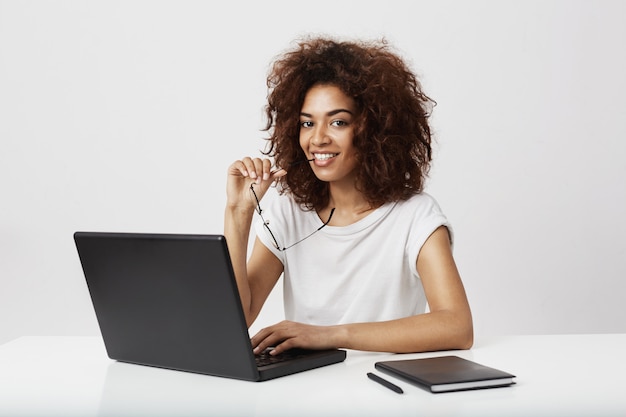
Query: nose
[(320, 136)]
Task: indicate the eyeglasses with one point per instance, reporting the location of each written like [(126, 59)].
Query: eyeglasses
[(269, 231)]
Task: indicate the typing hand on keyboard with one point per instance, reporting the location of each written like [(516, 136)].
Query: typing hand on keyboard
[(264, 358)]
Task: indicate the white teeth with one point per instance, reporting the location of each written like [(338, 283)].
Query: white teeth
[(324, 156)]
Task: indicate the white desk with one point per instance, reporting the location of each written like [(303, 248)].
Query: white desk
[(567, 375)]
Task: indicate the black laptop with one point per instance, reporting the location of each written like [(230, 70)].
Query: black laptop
[(171, 301)]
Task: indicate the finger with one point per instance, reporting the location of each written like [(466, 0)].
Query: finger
[(258, 168), (263, 343), (284, 346), (238, 168), (267, 167), (267, 337), (263, 170), (250, 166), (280, 172), (257, 340)]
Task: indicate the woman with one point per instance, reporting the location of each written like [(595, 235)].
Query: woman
[(363, 249)]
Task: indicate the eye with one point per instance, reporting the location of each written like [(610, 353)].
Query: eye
[(306, 124), (339, 123)]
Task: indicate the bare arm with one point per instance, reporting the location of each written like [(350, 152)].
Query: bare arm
[(448, 325), (257, 276)]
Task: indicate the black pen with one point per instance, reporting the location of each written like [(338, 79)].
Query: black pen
[(385, 383)]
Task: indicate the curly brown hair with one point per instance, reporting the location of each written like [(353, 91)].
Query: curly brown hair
[(392, 135)]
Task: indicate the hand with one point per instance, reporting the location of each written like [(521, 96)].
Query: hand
[(287, 335), (247, 171)]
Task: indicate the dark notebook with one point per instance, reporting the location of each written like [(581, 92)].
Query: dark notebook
[(446, 373), (171, 301)]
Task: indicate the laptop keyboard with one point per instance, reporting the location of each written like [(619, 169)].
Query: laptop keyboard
[(264, 358)]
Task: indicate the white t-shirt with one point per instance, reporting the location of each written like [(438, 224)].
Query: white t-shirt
[(363, 272)]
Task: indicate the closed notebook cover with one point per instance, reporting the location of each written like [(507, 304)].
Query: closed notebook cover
[(446, 373)]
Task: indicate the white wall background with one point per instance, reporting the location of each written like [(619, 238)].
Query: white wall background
[(124, 115)]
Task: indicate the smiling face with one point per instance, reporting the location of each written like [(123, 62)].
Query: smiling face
[(327, 132)]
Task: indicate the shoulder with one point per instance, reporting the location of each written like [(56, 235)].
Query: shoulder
[(423, 215), (422, 204)]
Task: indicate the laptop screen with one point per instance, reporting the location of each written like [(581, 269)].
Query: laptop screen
[(167, 300)]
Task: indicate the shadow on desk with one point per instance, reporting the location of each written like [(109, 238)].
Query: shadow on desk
[(137, 390)]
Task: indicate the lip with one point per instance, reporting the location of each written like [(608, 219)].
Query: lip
[(323, 162)]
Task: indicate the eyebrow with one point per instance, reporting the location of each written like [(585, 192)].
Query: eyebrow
[(330, 113)]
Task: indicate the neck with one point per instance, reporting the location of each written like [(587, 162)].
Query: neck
[(350, 206)]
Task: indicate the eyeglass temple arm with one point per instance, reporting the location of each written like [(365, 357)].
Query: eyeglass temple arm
[(329, 217)]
